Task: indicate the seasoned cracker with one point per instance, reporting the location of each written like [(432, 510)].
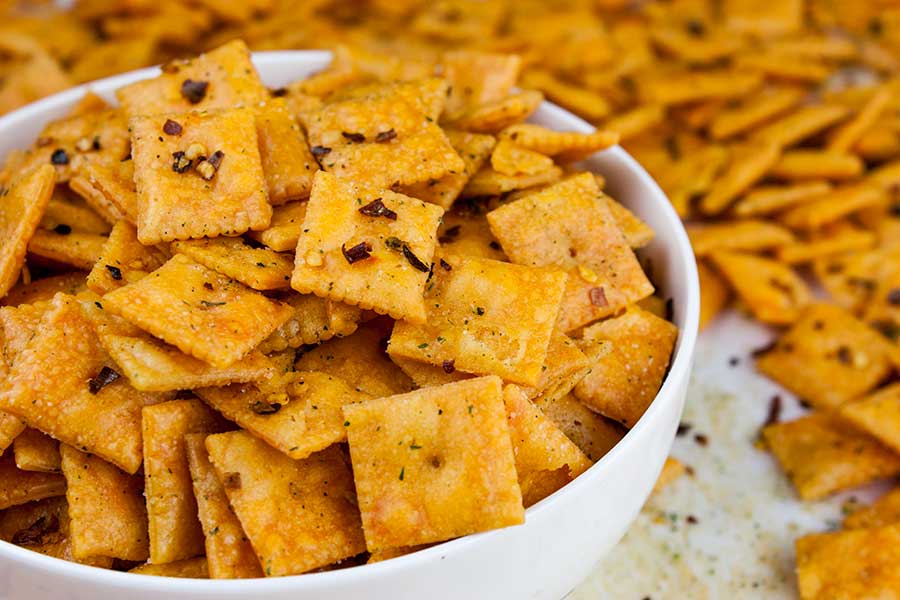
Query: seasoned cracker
[(567, 226), (746, 235), (680, 87), (19, 487), (478, 77), (624, 381), (846, 136), (228, 550), (20, 212), (509, 159), (754, 111), (287, 163), (80, 250), (175, 532), (44, 289), (108, 187), (36, 451), (714, 293), (589, 104), (488, 182), (497, 115), (828, 358), (65, 211), (545, 458), (637, 233), (314, 320), (425, 374), (591, 432), (257, 268), (800, 124), (285, 228), (123, 260), (564, 366), (106, 508), (799, 165), (203, 313), (190, 568), (568, 145), (425, 489), (831, 207), (877, 414), (176, 199), (764, 200), (299, 515), (485, 317), (394, 236), (465, 232), (884, 511), (845, 239), (749, 162)]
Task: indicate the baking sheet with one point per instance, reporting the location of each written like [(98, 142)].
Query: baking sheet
[(747, 514)]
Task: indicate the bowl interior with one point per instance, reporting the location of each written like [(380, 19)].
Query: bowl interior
[(668, 259)]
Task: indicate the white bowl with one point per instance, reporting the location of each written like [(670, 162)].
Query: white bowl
[(564, 536)]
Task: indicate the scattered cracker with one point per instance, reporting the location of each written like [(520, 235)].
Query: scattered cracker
[(22, 208)]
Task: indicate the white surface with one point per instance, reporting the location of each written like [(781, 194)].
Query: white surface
[(564, 536)]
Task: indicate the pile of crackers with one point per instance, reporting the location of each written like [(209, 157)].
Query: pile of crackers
[(258, 332)]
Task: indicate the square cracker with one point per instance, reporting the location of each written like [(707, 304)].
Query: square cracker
[(299, 515), (228, 550), (593, 433), (878, 414), (624, 381), (123, 260), (173, 205), (175, 532), (314, 320), (228, 70), (203, 313), (44, 289), (564, 366), (307, 421), (477, 77), (465, 232), (258, 268), (19, 487), (822, 455), (288, 163), (18, 325), (392, 280), (284, 229), (190, 568), (566, 225), (884, 511), (21, 209), (106, 508), (51, 388), (849, 564), (108, 187), (828, 358), (486, 317), (419, 460), (359, 360), (546, 459), (80, 250), (36, 451)]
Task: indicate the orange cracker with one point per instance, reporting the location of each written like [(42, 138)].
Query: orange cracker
[(754, 111), (779, 66), (284, 230), (714, 293), (593, 433), (750, 235), (35, 523), (65, 385), (822, 455), (368, 249), (108, 187), (228, 550), (564, 366), (800, 124), (11, 426), (65, 210), (177, 198), (44, 289), (474, 149), (877, 414), (817, 164), (485, 316), (488, 182), (764, 200), (19, 487), (637, 233), (680, 87), (624, 381), (106, 508), (80, 250), (510, 159), (36, 451), (852, 278), (589, 104), (288, 164), (430, 486), (17, 326), (566, 226), (203, 313), (567, 145), (466, 232), (123, 260), (672, 469), (831, 207), (306, 421), (749, 162), (20, 212), (884, 511), (846, 136), (299, 515), (633, 123), (828, 358), (497, 115), (151, 365), (190, 568), (258, 268), (360, 361), (314, 320), (478, 77), (846, 239), (849, 564), (772, 291), (227, 72), (426, 374), (175, 532), (546, 459)]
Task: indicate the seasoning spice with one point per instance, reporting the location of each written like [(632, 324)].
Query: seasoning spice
[(449, 366), (598, 296), (445, 265), (114, 272), (180, 163), (171, 127), (194, 91), (357, 138), (59, 157), (62, 229), (360, 251), (385, 136), (414, 260), (105, 377), (319, 151), (376, 208)]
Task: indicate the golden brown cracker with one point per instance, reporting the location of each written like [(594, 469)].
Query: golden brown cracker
[(257, 268), (22, 207), (36, 451), (19, 487), (123, 260)]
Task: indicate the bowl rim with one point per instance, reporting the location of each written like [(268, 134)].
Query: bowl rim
[(679, 370)]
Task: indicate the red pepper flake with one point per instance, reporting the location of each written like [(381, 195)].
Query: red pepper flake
[(701, 439), (360, 251), (357, 138), (385, 136), (692, 520), (449, 366), (194, 91), (180, 164), (598, 297), (62, 229), (280, 92), (264, 408), (449, 235), (37, 531), (105, 377), (734, 361), (893, 297), (319, 151), (59, 157), (376, 208), (232, 481), (216, 159), (171, 127), (394, 243), (774, 410), (445, 265), (114, 272), (494, 244), (414, 260), (696, 28), (683, 429), (845, 355)]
